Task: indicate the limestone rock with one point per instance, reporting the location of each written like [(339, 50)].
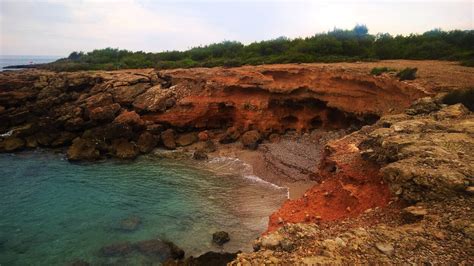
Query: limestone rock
[(12, 144), (385, 248), (271, 241), (82, 150), (146, 142), (123, 149), (413, 213), (168, 139), (186, 139), (250, 139), (154, 99)]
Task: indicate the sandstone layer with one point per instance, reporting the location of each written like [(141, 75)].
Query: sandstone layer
[(123, 113)]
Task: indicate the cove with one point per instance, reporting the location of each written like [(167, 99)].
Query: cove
[(54, 212)]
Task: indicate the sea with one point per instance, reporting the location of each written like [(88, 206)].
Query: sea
[(12, 60), (54, 212)]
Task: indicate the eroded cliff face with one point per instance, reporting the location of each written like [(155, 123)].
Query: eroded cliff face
[(108, 113)]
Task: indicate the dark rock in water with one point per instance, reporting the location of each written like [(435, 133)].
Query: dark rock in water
[(162, 249), (213, 259), (176, 252), (79, 262), (117, 249), (130, 223), (82, 149), (168, 139), (220, 238), (199, 155), (12, 144), (124, 149)]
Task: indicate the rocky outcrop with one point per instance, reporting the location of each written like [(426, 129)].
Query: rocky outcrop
[(112, 111), (425, 155)]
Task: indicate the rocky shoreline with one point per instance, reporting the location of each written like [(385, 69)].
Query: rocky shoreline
[(351, 147)]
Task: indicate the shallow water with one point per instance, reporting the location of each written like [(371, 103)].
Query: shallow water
[(53, 212)]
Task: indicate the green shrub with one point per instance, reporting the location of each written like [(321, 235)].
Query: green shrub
[(465, 97), (334, 46), (407, 73), (468, 62), (377, 71)]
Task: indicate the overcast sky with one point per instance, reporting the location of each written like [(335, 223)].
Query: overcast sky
[(51, 27)]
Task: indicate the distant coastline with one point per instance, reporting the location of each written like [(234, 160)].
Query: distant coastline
[(13, 62)]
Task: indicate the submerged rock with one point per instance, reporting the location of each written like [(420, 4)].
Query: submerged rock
[(220, 238), (211, 258), (158, 248), (117, 249), (130, 223)]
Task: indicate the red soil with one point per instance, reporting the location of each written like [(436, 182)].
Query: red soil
[(348, 186)]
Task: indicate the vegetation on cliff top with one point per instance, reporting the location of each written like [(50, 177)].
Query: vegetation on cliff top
[(333, 46)]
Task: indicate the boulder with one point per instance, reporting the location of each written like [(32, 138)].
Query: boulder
[(186, 139), (98, 100), (271, 241), (123, 149), (154, 99), (231, 135), (413, 214), (104, 113), (117, 249), (127, 94), (212, 258), (162, 249), (250, 139), (220, 238), (168, 139), (203, 136), (146, 142), (64, 138), (385, 248), (206, 146), (12, 144), (82, 149), (423, 106), (130, 118)]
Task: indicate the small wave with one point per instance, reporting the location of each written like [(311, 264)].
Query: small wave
[(232, 165), (6, 134)]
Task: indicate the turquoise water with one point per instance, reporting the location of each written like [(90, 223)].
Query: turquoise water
[(54, 212)]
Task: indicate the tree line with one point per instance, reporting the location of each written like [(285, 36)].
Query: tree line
[(334, 46)]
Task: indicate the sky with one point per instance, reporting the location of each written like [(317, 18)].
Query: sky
[(58, 27)]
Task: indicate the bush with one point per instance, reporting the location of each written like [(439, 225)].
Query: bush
[(377, 71), (334, 46), (465, 97), (407, 73)]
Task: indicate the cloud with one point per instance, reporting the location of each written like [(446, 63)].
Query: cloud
[(57, 27)]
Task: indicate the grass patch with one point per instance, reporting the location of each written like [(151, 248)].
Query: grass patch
[(466, 97), (407, 73), (377, 71)]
